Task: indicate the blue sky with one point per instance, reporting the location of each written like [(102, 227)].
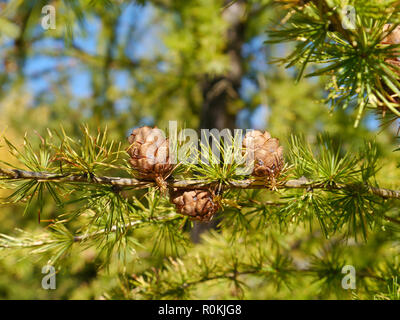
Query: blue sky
[(148, 42)]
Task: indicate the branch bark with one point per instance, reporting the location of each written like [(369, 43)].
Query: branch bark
[(302, 183)]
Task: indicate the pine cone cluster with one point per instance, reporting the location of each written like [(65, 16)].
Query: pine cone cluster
[(149, 156), (149, 152), (268, 154), (197, 204)]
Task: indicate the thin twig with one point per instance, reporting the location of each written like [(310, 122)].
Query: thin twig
[(81, 237)]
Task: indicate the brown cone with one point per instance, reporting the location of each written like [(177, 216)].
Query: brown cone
[(391, 39), (149, 152), (197, 204), (268, 154)]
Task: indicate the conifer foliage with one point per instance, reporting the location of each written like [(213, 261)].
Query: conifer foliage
[(291, 209), (337, 191)]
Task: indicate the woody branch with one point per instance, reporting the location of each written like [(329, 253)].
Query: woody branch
[(15, 174)]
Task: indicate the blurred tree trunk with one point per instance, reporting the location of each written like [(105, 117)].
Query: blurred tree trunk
[(219, 92)]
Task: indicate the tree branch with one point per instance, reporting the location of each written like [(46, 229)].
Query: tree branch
[(7, 242), (302, 183), (334, 19)]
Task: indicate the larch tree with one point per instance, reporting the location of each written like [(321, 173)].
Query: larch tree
[(109, 181)]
